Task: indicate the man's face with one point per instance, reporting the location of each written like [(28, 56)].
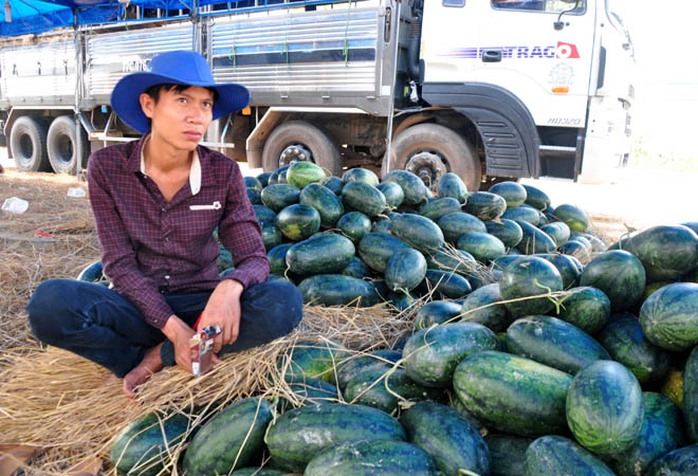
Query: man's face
[(180, 117)]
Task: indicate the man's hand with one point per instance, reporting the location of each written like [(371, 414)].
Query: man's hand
[(223, 308), (179, 333)]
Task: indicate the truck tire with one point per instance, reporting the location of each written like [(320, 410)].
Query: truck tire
[(430, 151), (28, 145), (62, 145), (300, 140)]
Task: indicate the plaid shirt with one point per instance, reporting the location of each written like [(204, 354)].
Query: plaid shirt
[(151, 247)]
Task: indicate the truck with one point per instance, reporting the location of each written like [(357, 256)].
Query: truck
[(490, 90)]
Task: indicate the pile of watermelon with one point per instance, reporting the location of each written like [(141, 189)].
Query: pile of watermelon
[(537, 348)]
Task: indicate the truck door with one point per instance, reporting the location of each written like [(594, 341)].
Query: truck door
[(516, 45)]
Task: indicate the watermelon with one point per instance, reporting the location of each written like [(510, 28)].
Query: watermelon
[(507, 453), (537, 198), (405, 270), (364, 197), (321, 198), (356, 269), (338, 290), (577, 249), (662, 432), (388, 390), (253, 196), (444, 284), (569, 267), (534, 240), (277, 258), (451, 185), (573, 216), (680, 462), (484, 306), (526, 285), (431, 355), (512, 394), (453, 442), (437, 311), (453, 225), (229, 440), (279, 195), (559, 231), (360, 173), (419, 232), (669, 316), (414, 189), (586, 307), (690, 395), (553, 342), (666, 252), (311, 359), (352, 366), (394, 195), (508, 231), (298, 435), (263, 178), (312, 390), (354, 225), (452, 260), (484, 247), (335, 184), (271, 236), (264, 214), (93, 273), (298, 221), (376, 248), (627, 344), (604, 408), (145, 445), (523, 213), (364, 458), (302, 173), (321, 253), (557, 455), (254, 471), (485, 205), (253, 183), (513, 193), (672, 386), (435, 208), (619, 274)]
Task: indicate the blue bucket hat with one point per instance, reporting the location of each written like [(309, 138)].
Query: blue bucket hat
[(174, 67)]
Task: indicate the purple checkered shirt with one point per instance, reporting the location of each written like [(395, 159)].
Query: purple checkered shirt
[(151, 247)]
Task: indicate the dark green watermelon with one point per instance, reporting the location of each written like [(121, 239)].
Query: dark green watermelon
[(514, 193), (662, 432), (435, 208), (626, 343), (537, 198), (586, 307), (526, 285), (364, 197), (669, 316), (418, 231), (523, 213), (405, 270), (451, 185), (534, 240), (690, 395), (558, 231), (298, 221), (576, 218), (666, 252), (508, 231), (414, 189), (324, 200), (437, 311), (278, 196), (507, 453), (483, 306), (605, 408), (485, 205), (452, 260), (456, 224), (680, 462), (557, 456), (354, 225), (375, 249), (360, 173), (569, 267), (394, 195), (484, 247), (619, 274)]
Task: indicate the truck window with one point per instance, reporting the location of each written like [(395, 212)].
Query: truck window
[(453, 3), (552, 6)]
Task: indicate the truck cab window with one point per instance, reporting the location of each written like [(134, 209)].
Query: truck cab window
[(550, 6)]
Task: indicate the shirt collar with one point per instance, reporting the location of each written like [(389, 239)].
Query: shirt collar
[(194, 171)]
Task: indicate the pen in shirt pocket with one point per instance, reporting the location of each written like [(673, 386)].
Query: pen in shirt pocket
[(213, 206)]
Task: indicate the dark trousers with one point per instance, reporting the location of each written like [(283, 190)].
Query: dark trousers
[(103, 326)]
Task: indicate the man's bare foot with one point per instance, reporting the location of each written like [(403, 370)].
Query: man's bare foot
[(151, 363)]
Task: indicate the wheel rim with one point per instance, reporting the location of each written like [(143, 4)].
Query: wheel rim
[(295, 153), (428, 166), (26, 149), (64, 150)]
